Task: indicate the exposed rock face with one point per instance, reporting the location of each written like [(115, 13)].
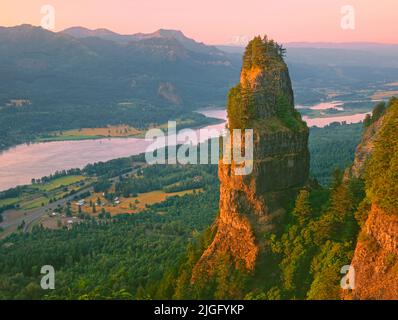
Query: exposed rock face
[(168, 91), (364, 150), (263, 101), (376, 255), (376, 258)]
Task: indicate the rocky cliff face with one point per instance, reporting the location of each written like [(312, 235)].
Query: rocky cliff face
[(376, 255), (250, 204), (364, 150)]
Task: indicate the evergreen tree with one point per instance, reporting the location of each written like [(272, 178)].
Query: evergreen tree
[(302, 209)]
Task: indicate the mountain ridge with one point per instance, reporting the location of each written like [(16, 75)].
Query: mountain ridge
[(35, 53), (188, 43), (72, 83)]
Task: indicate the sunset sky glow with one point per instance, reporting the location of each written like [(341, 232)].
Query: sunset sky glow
[(219, 21)]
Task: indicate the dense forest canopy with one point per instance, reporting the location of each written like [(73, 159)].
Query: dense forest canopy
[(112, 258)]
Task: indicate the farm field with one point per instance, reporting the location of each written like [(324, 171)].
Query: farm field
[(384, 94), (8, 201), (120, 131), (129, 205), (60, 182), (126, 205), (39, 197)]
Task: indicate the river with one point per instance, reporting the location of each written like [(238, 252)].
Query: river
[(18, 165)]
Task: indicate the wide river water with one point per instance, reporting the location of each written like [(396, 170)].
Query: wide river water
[(18, 165)]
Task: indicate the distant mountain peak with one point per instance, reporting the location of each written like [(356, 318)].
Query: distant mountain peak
[(82, 32), (23, 28), (168, 34), (162, 33)]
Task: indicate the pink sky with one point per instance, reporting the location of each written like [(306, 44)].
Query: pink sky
[(219, 21)]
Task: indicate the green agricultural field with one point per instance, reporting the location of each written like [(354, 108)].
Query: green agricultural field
[(8, 201), (34, 203), (67, 138), (59, 182)]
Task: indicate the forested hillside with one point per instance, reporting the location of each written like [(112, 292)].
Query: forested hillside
[(135, 256), (376, 254), (333, 147), (317, 238), (107, 258), (282, 233), (54, 82)]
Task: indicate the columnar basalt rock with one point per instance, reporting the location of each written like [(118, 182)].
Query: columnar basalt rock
[(249, 204)]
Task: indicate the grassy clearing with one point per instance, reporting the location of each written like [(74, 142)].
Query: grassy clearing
[(8, 201), (93, 133), (41, 193), (392, 84), (384, 95), (128, 205), (34, 203), (7, 232), (62, 181), (66, 138), (120, 131)]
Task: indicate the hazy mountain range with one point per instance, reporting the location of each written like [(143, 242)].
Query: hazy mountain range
[(162, 68), (189, 44), (166, 67)]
